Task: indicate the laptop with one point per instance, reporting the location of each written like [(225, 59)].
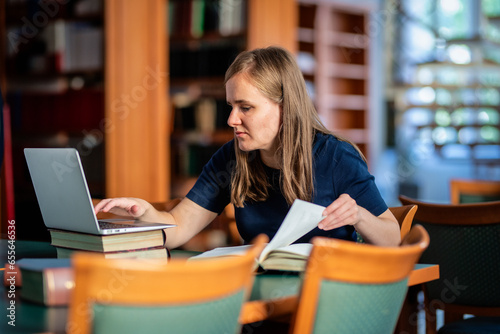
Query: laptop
[(64, 198)]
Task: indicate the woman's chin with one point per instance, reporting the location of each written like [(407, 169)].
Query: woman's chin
[(244, 148)]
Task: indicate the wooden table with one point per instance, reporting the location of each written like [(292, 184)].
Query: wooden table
[(273, 296), (276, 295)]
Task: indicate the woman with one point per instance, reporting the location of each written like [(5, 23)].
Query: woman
[(280, 152)]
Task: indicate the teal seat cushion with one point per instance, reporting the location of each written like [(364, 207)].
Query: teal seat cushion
[(215, 316), (469, 198), (359, 308)]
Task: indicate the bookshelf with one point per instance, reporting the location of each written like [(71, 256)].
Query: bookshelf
[(66, 87), (204, 38), (450, 110), (53, 58), (201, 49), (334, 55), (131, 123)]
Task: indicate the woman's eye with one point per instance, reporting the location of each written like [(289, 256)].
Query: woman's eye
[(245, 109)]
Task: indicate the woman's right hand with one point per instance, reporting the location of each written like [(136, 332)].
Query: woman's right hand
[(123, 206), (189, 217)]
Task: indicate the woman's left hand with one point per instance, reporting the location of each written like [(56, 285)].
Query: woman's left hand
[(343, 211)]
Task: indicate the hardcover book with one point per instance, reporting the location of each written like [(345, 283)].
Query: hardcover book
[(46, 281), (146, 253), (107, 243), (280, 253)]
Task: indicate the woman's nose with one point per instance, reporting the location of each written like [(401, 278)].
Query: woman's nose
[(233, 119)]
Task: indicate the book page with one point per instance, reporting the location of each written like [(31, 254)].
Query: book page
[(223, 251), (300, 219), (294, 250)]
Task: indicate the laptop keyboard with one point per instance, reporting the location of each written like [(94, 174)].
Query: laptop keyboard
[(108, 226)]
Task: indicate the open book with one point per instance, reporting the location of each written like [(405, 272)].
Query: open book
[(280, 253)]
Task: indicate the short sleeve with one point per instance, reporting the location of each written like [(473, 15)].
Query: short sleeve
[(351, 176), (212, 188)]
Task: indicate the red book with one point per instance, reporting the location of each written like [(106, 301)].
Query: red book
[(43, 281)]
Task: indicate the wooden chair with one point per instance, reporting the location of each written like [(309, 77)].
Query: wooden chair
[(465, 242), (474, 191), (133, 296), (234, 235), (404, 214), (356, 288)]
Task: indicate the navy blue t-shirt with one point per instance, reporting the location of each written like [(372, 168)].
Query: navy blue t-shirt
[(338, 168)]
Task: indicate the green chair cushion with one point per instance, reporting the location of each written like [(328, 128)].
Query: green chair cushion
[(215, 316), (359, 308), (468, 198)]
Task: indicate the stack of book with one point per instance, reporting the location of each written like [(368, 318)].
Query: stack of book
[(147, 244)]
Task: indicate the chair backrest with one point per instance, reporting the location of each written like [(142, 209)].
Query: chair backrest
[(404, 214), (134, 296), (350, 287), (473, 191), (465, 242)]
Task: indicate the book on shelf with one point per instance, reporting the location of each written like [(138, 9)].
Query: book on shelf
[(191, 158), (202, 61), (41, 85), (73, 46), (195, 18), (44, 114), (107, 243), (232, 17), (280, 253), (205, 115), (44, 281), (160, 253)]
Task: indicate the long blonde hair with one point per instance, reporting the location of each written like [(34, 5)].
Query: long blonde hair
[(275, 73)]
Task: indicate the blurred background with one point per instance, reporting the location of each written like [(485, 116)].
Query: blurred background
[(137, 88)]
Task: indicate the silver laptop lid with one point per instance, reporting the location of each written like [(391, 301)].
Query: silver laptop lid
[(64, 198), (61, 189)]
